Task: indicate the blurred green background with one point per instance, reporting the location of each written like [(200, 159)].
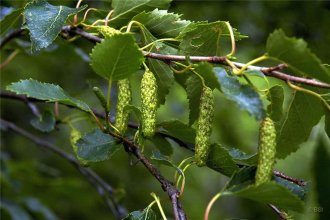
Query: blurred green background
[(29, 173)]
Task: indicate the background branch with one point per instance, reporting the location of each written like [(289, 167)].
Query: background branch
[(189, 146), (102, 187)]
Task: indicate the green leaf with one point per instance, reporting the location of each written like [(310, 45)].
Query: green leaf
[(297, 55), (161, 23), (97, 146), (245, 97), (45, 21), (162, 144), (220, 160), (241, 158), (300, 191), (9, 20), (321, 167), (164, 160), (116, 57), (146, 214), (194, 88), (177, 129), (303, 113), (46, 91), (125, 10), (45, 122), (206, 71), (327, 122), (206, 39), (269, 193), (276, 98)]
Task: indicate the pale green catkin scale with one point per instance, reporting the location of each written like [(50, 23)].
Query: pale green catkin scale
[(267, 151), (204, 126), (124, 99), (149, 103)]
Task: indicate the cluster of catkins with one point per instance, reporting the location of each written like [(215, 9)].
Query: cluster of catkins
[(267, 133)]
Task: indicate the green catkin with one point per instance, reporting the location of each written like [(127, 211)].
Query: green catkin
[(124, 99), (149, 103), (267, 151), (99, 94), (107, 31), (204, 126)]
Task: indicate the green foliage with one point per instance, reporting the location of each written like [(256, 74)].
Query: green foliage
[(297, 55), (294, 128), (161, 23), (45, 21), (321, 167), (45, 122), (245, 97), (220, 160), (177, 129), (96, 146), (9, 20), (204, 38), (47, 92), (110, 57), (146, 214), (124, 10), (276, 98)]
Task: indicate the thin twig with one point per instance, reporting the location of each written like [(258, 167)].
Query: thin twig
[(11, 35), (279, 213), (291, 179), (102, 187)]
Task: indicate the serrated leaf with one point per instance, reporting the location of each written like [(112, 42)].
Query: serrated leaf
[(321, 167), (243, 95), (162, 144), (125, 10), (46, 91), (276, 98), (205, 39), (45, 21), (45, 122), (177, 129), (146, 214), (269, 193), (9, 20), (161, 23), (96, 146), (297, 55), (220, 160), (296, 127), (116, 57)]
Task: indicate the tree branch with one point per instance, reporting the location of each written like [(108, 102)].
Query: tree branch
[(10, 95), (102, 187), (268, 71)]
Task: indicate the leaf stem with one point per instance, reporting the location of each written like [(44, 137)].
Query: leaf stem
[(259, 59), (232, 38), (159, 205), (209, 206)]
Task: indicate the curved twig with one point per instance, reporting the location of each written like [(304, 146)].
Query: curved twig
[(102, 187)]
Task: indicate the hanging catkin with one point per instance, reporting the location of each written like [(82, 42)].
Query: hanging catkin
[(124, 99), (204, 126), (149, 103), (267, 151)]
